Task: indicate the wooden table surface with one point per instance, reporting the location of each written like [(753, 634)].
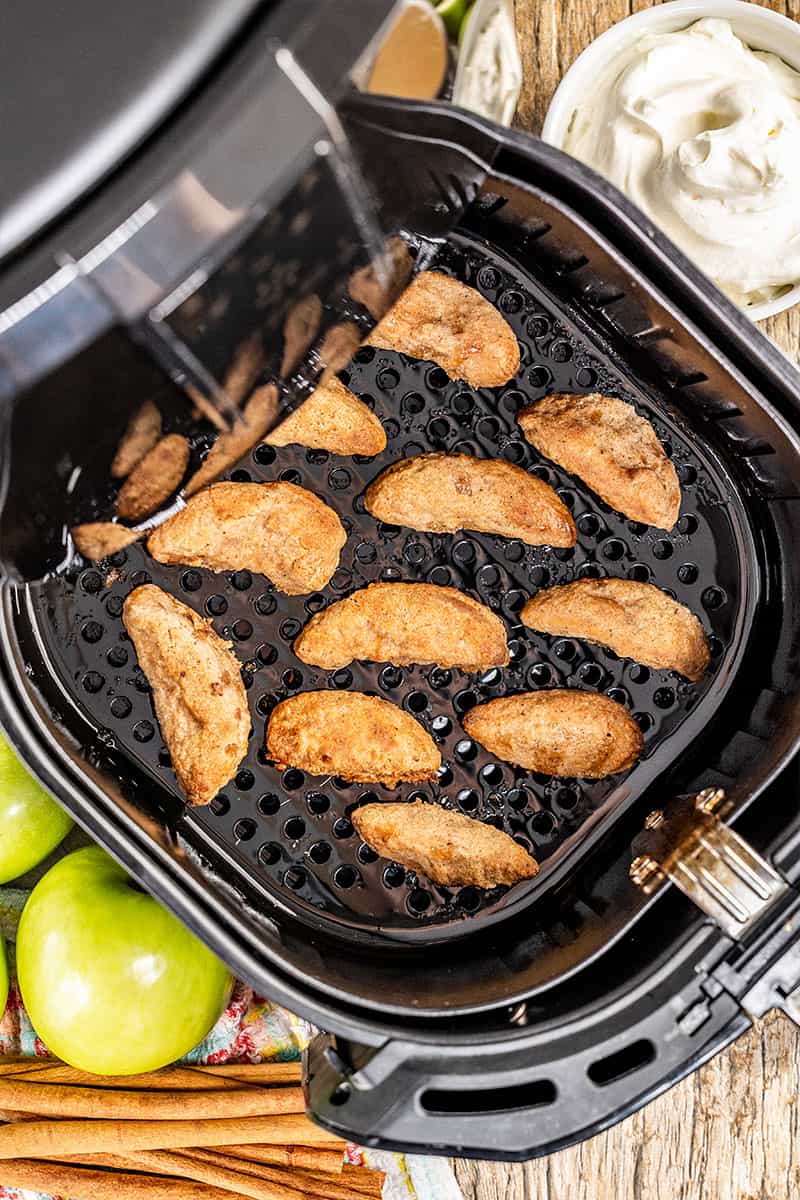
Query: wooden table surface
[(732, 1130)]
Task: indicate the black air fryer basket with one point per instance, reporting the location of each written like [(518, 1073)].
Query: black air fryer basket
[(508, 1022)]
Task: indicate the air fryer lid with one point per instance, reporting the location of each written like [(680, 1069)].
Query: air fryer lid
[(84, 84)]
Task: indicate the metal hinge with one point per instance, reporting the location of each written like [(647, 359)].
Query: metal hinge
[(715, 867)]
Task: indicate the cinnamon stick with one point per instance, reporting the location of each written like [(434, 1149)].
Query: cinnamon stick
[(61, 1100), (192, 1166), (56, 1139), (322, 1186), (327, 1159), (366, 1180), (267, 1072), (83, 1183), (167, 1080)]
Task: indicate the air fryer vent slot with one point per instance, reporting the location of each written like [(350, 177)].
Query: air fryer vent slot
[(622, 1062), (536, 1094)]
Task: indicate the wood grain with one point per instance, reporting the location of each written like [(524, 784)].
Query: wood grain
[(731, 1130)]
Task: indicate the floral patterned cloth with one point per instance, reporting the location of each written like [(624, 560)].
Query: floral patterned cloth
[(251, 1029)]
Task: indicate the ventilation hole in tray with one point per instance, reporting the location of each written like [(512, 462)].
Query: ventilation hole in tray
[(292, 780), (540, 675), (264, 455), (468, 799), (489, 279), (220, 805), (713, 598), (342, 828), (644, 721), (664, 697), (687, 524), (92, 632), (216, 605), (518, 798), (441, 726), (511, 301), (91, 581), (465, 750), (319, 853), (269, 854), (640, 572), (345, 876), (295, 878), (117, 656), (662, 550), (294, 828), (538, 326), (391, 678), (437, 379), (638, 674), (543, 824), (266, 604), (591, 674), (121, 707), (461, 403), (143, 731), (114, 606), (418, 901), (245, 829), (318, 803), (268, 804)]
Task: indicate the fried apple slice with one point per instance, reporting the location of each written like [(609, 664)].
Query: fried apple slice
[(152, 482), (299, 330), (442, 493), (405, 623), (278, 529), (244, 368), (636, 620), (257, 417), (360, 738), (142, 433), (333, 419), (98, 539), (376, 294), (445, 322), (197, 688), (558, 732), (449, 848), (337, 348), (612, 449)]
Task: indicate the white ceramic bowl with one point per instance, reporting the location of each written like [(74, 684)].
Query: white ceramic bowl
[(760, 28)]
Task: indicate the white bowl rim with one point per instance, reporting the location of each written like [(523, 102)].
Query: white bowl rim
[(672, 14)]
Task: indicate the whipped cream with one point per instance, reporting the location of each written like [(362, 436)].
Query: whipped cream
[(703, 133)]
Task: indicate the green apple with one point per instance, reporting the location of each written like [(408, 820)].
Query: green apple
[(112, 982), (31, 824)]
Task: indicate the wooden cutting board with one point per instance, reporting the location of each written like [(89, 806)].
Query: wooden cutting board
[(732, 1130)]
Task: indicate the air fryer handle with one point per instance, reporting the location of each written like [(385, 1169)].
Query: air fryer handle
[(484, 1101)]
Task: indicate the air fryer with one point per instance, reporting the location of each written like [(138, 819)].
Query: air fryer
[(502, 1023)]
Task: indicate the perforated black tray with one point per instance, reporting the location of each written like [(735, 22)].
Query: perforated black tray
[(291, 833)]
